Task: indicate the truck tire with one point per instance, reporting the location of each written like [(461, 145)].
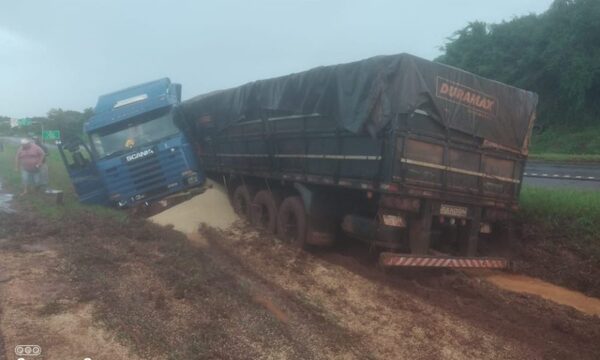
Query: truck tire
[(292, 221), (242, 201), (264, 210)]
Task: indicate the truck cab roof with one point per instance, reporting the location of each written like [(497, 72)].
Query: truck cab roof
[(117, 106)]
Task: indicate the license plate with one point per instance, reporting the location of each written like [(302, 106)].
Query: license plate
[(453, 211), (393, 220)]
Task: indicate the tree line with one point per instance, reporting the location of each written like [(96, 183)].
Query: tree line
[(69, 122), (556, 54)]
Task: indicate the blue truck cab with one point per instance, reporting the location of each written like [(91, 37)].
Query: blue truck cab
[(135, 151)]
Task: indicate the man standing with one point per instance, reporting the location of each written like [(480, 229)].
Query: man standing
[(43, 181), (29, 160)]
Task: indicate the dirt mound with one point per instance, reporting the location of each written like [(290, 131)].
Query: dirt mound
[(211, 207)]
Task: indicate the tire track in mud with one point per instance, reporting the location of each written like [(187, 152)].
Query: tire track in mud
[(519, 325), (547, 329), (169, 298), (240, 294), (310, 328)]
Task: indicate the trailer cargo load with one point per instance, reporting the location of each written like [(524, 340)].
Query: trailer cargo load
[(393, 150)]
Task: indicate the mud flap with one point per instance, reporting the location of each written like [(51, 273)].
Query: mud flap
[(468, 236), (419, 230)]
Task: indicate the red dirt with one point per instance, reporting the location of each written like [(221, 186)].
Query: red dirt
[(131, 289)]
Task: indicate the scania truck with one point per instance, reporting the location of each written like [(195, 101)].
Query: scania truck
[(134, 149)]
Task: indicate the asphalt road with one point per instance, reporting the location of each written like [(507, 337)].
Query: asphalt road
[(562, 175)]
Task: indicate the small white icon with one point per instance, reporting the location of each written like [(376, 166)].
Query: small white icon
[(28, 350)]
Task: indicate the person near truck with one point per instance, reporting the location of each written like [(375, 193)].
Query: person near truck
[(43, 181), (28, 161)]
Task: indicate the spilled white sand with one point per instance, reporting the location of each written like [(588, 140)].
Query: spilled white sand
[(211, 207)]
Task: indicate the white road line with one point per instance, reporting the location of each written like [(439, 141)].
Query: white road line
[(562, 176)]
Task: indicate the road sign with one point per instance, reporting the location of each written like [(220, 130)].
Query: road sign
[(51, 135), (24, 122)]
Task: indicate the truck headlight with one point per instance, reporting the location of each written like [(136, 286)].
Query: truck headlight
[(192, 178)]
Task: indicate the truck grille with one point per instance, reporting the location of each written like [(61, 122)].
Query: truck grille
[(146, 177), (146, 174)]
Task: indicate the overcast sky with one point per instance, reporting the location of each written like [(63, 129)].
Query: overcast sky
[(64, 53)]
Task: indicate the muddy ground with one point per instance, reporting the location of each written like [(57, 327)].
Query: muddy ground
[(104, 289), (547, 255)]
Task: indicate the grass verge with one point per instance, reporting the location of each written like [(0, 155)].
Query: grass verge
[(58, 178), (577, 158), (573, 214), (583, 143)]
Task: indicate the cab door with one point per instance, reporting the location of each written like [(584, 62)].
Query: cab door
[(80, 165)]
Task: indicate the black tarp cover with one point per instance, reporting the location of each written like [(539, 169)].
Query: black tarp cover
[(364, 96)]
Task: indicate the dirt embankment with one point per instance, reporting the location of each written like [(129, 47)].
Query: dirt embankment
[(550, 256), (105, 289)]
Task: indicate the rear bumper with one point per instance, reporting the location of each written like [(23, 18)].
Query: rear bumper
[(387, 259), (166, 191), (414, 204)]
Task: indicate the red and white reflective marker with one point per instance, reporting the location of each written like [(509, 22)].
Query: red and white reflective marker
[(393, 259)]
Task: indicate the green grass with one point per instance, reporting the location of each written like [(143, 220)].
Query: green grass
[(569, 214), (581, 144), (58, 178), (565, 157)]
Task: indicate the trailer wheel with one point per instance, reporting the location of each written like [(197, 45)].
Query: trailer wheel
[(264, 210), (242, 201), (291, 221)]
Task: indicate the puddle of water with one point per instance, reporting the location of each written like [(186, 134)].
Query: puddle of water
[(557, 294), (5, 200)]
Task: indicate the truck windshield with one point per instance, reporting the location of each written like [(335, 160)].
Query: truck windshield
[(135, 133)]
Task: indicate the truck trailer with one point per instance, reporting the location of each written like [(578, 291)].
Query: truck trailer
[(389, 150), (134, 151)]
